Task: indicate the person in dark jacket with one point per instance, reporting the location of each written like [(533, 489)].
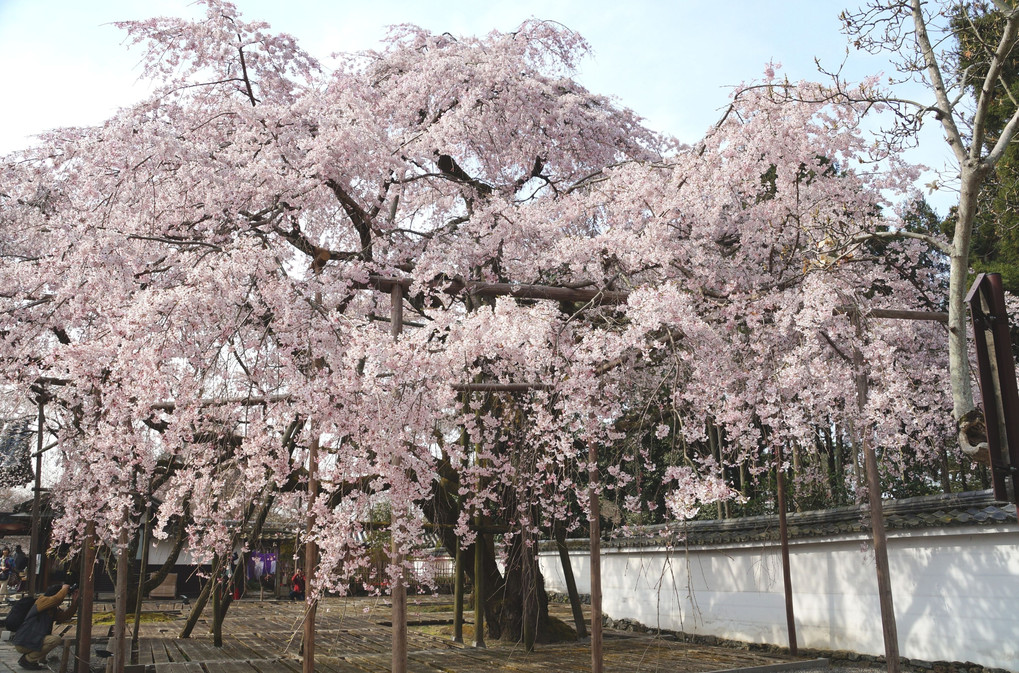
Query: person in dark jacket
[(33, 639), (20, 559)]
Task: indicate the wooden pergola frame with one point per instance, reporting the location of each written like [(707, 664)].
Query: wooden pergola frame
[(397, 288)]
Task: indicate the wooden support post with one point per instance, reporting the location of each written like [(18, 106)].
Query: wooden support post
[(399, 590), (784, 535), (479, 586), (218, 587), (142, 571), (120, 607), (34, 546), (877, 523), (86, 580), (458, 595), (310, 559), (997, 379), (595, 526), (278, 575), (65, 654), (530, 589), (884, 583), (208, 590)]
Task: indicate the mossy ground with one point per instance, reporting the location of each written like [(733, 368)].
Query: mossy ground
[(107, 618)]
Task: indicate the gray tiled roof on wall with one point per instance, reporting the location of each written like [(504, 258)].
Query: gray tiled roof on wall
[(925, 512)]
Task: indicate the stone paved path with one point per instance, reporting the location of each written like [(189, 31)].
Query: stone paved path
[(353, 636)]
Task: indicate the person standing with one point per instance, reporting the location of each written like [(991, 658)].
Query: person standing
[(297, 585), (6, 568), (20, 559), (34, 638)]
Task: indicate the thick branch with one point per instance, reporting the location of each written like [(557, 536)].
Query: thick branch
[(361, 220), (955, 138), (932, 241), (986, 96)]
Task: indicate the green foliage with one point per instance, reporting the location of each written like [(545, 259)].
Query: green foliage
[(995, 243)]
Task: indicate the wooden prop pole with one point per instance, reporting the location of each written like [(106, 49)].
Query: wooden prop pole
[(34, 547), (142, 571), (479, 587), (86, 580), (571, 582), (310, 558), (790, 618), (458, 595), (120, 607), (877, 523), (218, 589), (595, 525), (399, 592)]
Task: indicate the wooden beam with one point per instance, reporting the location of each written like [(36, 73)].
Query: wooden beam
[(245, 401), (500, 387), (896, 314), (518, 290)]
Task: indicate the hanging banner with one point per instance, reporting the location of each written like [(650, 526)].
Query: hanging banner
[(262, 565)]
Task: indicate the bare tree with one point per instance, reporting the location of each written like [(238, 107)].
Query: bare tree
[(958, 52)]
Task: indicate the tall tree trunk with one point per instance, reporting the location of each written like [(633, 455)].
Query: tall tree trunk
[(201, 600), (971, 176), (203, 597), (503, 610)]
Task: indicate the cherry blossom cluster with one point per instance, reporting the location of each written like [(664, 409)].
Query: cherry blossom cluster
[(195, 281)]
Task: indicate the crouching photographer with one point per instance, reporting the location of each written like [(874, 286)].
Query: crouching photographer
[(34, 639)]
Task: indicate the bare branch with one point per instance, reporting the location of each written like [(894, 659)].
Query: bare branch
[(947, 118)]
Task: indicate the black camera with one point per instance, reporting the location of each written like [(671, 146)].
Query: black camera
[(72, 587)]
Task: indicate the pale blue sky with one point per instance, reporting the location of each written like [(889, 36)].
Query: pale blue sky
[(673, 62)]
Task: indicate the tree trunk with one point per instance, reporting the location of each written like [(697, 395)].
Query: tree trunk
[(523, 596), (503, 604), (203, 597), (201, 600), (958, 353)]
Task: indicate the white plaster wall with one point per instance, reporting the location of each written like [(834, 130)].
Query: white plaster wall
[(956, 592)]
